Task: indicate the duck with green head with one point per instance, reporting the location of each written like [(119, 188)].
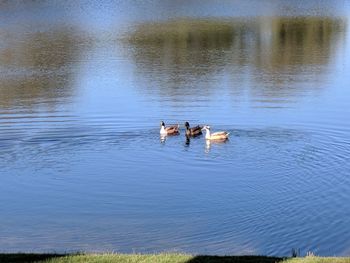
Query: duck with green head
[(194, 131)]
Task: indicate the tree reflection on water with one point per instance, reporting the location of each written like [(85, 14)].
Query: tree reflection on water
[(36, 67), (186, 57)]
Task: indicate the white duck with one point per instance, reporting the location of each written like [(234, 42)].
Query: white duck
[(215, 136)]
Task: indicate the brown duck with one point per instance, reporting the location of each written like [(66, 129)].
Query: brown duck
[(170, 130), (194, 131)]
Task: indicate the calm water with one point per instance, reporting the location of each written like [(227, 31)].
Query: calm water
[(83, 88)]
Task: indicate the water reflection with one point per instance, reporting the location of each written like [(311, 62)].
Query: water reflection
[(210, 143), (162, 138), (37, 67), (178, 53), (187, 141), (186, 58), (300, 41), (207, 146)]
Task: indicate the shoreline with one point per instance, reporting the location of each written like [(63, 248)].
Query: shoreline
[(157, 258)]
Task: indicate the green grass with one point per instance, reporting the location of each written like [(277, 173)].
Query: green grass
[(156, 258), (313, 259)]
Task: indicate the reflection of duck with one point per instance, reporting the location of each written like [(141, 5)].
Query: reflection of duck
[(192, 131), (207, 146), (170, 130), (162, 138), (209, 143), (216, 136), (188, 140)]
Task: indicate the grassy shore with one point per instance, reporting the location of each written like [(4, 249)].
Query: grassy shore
[(157, 258)]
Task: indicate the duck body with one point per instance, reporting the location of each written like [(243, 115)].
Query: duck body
[(215, 136), (194, 131), (170, 130)]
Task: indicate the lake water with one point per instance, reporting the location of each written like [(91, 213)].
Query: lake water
[(84, 86)]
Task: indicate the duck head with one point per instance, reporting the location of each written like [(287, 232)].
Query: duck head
[(187, 125), (206, 127)]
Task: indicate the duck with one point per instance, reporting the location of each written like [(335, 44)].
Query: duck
[(217, 136), (170, 130), (193, 131)]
